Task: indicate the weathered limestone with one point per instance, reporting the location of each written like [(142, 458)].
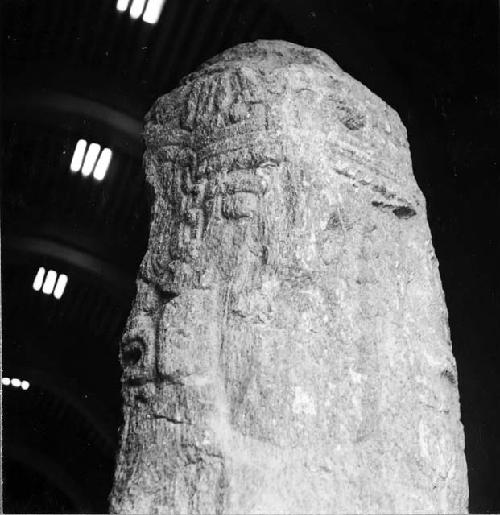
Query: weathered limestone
[(288, 349)]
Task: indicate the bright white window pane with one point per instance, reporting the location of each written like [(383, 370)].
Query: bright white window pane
[(153, 11), (49, 283), (90, 158), (25, 385), (102, 164), (137, 8), (6, 381), (122, 5), (61, 284), (15, 382), (37, 283), (76, 162)]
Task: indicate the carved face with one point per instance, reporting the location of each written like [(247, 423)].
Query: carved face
[(209, 222), (210, 233), (227, 205), (168, 340), (137, 353), (214, 217), (237, 200)]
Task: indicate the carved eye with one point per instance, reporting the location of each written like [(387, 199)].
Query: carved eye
[(132, 353), (401, 211), (240, 205), (350, 116)]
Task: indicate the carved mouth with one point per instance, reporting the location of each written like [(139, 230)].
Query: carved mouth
[(137, 381), (138, 390)]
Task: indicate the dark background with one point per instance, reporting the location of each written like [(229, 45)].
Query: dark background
[(79, 68)]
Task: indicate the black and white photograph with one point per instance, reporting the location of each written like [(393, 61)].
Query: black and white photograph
[(250, 256)]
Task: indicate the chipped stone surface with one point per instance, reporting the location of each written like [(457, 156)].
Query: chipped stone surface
[(288, 350)]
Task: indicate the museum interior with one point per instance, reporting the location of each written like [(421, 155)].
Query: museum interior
[(77, 80)]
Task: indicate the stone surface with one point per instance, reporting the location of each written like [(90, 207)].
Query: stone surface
[(288, 350)]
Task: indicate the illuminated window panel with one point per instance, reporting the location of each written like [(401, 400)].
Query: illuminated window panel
[(50, 283), (90, 159), (137, 8), (38, 282), (102, 164), (122, 5), (150, 10), (78, 155), (15, 382), (62, 281), (153, 11)]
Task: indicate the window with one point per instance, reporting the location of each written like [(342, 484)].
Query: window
[(50, 283), (15, 382), (149, 9), (91, 159)]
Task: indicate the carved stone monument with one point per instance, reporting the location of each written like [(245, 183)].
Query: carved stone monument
[(288, 350)]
